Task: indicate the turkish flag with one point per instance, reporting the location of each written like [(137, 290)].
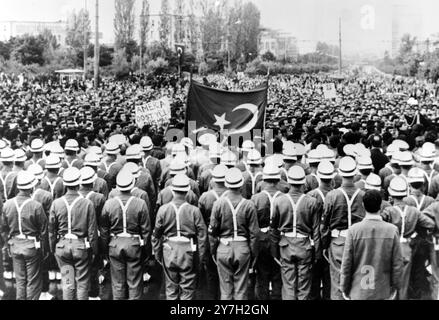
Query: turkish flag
[(215, 109)]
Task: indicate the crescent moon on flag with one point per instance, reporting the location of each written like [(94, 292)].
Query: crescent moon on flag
[(252, 123)]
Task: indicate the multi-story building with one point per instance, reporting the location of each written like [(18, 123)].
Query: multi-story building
[(282, 45), (10, 29)]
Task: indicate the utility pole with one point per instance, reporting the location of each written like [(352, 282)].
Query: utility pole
[(142, 38), (85, 40), (339, 39), (96, 71)]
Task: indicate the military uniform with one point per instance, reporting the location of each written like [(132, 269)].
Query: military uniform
[(73, 230), (125, 229), (235, 225), (179, 231), (24, 227), (408, 220)]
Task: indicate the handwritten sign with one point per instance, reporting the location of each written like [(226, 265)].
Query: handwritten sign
[(156, 112), (329, 91)]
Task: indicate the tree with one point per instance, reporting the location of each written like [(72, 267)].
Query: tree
[(193, 28), (5, 50), (323, 47), (165, 24), (124, 23), (144, 23), (120, 66), (407, 45), (250, 23), (213, 32), (78, 24), (268, 56), (29, 49), (179, 21)]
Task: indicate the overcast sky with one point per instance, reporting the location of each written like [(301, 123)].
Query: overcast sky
[(308, 20)]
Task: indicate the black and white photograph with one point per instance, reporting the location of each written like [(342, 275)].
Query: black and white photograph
[(238, 152)]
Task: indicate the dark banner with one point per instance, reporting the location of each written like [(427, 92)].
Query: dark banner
[(237, 112)]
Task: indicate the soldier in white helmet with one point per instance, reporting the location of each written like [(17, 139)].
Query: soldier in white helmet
[(252, 174), (343, 208), (326, 174), (52, 181), (100, 185), (267, 270), (409, 221), (312, 180), (73, 237), (24, 228), (365, 168), (88, 178), (71, 150), (295, 226), (45, 198), (20, 159), (36, 148), (125, 232), (149, 162), (206, 203), (205, 171), (179, 242), (110, 163), (233, 233), (8, 176)]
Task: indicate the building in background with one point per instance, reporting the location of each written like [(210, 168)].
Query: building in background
[(283, 45), (10, 29)]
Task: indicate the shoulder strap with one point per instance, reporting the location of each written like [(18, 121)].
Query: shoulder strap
[(271, 200), (418, 204), (124, 211), (253, 179), (349, 202), (403, 217), (145, 160), (234, 213), (69, 211), (320, 192), (19, 211), (212, 191), (317, 178), (177, 216), (52, 185), (295, 206)]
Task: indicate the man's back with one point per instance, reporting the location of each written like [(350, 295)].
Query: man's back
[(372, 262)]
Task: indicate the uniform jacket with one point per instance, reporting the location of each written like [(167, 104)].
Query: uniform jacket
[(58, 188), (10, 178), (84, 223), (138, 219), (221, 223), (191, 226), (153, 165), (247, 187), (45, 198), (207, 200)]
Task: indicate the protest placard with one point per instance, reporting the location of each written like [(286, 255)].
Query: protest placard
[(156, 112)]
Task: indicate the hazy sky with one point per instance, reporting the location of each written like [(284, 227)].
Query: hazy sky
[(308, 20)]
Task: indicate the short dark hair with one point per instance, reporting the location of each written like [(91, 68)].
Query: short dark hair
[(372, 201)]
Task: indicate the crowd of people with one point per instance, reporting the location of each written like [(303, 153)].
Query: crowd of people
[(111, 211)]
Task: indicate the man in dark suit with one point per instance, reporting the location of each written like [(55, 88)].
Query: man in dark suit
[(372, 262), (379, 160)]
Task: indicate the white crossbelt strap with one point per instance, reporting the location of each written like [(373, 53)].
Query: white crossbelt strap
[(145, 161), (19, 211), (5, 192), (69, 212), (124, 212), (87, 196), (403, 222), (215, 194), (271, 199), (428, 176), (418, 204), (107, 168), (295, 206), (320, 192), (35, 162), (235, 213), (317, 178), (349, 203), (253, 179), (177, 216), (70, 164), (52, 185)]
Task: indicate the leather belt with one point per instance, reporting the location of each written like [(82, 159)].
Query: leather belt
[(265, 230), (226, 241), (24, 237), (293, 235), (339, 233), (127, 235), (180, 239)]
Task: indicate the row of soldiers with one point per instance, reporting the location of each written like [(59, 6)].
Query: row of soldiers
[(220, 225)]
